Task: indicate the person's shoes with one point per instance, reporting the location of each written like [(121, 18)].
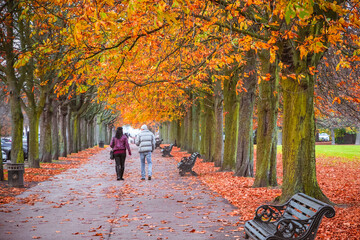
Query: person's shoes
[(142, 178), (118, 179), (149, 178), (121, 179)]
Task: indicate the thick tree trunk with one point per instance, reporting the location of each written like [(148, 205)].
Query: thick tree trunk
[(195, 124), (184, 128), (45, 137), (70, 133), (245, 144), (178, 133), (231, 108), (55, 151), (63, 124), (75, 133), (266, 149), (299, 165), (189, 131), (219, 124), (332, 136), (17, 119), (13, 84), (208, 138), (33, 154)]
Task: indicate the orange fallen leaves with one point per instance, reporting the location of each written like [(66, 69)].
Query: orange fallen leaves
[(331, 172), (46, 171)]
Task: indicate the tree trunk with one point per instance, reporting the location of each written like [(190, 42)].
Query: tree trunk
[(207, 137), (45, 137), (219, 124), (266, 149), (195, 124), (75, 133), (357, 141), (17, 119), (55, 131), (63, 124), (189, 131), (245, 144), (231, 108), (33, 154), (70, 133), (332, 136), (299, 166)]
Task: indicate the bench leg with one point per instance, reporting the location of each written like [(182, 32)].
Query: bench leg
[(193, 173), (246, 236)]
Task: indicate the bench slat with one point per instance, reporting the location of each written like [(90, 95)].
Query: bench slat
[(309, 201), (295, 214), (302, 208), (260, 229)]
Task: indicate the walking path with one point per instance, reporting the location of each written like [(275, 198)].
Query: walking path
[(88, 203)]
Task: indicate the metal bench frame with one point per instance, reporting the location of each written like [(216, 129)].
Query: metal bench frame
[(299, 218), (187, 163)]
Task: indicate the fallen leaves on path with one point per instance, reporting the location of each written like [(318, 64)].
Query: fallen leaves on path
[(32, 176), (338, 178)]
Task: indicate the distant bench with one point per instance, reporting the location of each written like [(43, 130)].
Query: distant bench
[(187, 163), (158, 141), (299, 218), (167, 150)]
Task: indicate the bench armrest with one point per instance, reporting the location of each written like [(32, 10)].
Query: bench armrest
[(269, 213), (289, 228)]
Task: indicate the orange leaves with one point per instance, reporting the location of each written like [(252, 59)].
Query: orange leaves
[(47, 170), (330, 172)]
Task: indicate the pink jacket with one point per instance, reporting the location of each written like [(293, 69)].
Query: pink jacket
[(120, 144)]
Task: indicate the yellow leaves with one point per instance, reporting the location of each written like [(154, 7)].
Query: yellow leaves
[(311, 45), (336, 99)]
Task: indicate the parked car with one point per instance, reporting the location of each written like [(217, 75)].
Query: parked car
[(6, 147), (3, 156), (324, 137)]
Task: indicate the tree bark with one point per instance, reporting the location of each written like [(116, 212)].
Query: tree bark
[(33, 154), (63, 123), (195, 124), (299, 165), (55, 131), (231, 108), (45, 138), (245, 144), (219, 124), (266, 150)]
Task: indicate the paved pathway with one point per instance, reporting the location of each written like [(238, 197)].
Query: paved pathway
[(88, 203)]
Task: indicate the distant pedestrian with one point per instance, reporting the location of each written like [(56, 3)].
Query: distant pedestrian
[(146, 142), (119, 144)]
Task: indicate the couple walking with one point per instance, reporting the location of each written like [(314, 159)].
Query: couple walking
[(145, 140)]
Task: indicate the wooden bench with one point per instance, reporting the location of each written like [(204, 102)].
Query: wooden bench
[(187, 163), (299, 218), (167, 150), (158, 141)]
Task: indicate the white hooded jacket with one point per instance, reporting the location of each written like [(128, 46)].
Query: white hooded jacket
[(145, 140)]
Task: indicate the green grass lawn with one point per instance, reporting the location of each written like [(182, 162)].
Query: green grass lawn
[(347, 151)]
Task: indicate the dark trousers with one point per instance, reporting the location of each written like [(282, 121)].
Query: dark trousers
[(120, 164)]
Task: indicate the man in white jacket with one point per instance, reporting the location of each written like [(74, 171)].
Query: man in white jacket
[(146, 142)]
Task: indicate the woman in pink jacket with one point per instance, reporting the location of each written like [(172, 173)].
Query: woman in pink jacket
[(119, 144)]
